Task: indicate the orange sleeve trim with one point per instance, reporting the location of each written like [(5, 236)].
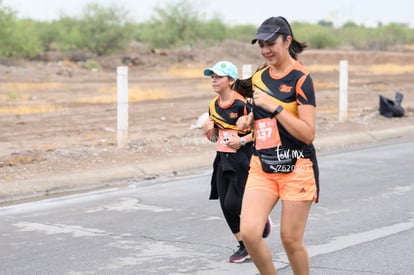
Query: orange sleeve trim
[(299, 90)]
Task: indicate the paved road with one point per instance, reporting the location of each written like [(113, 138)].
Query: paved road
[(364, 224)]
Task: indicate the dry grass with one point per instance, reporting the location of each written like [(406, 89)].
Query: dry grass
[(34, 108), (109, 95), (391, 69), (17, 95), (320, 85), (28, 86), (15, 160), (385, 69), (322, 68), (378, 69), (189, 71)]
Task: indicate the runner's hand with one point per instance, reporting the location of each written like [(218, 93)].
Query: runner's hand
[(245, 122), (209, 131), (208, 125), (263, 100), (234, 142)]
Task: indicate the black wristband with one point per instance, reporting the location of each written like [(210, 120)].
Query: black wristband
[(277, 111)]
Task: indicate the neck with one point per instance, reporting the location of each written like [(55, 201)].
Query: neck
[(226, 96), (283, 67)]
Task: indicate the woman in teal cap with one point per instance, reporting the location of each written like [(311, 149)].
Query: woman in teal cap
[(234, 148)]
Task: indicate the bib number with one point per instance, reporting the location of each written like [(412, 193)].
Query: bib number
[(267, 134), (224, 136)]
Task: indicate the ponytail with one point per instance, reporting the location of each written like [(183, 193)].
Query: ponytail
[(295, 47), (245, 86)]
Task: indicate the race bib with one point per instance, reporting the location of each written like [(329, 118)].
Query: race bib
[(266, 133), (224, 136)]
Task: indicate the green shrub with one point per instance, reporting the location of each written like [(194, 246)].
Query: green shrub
[(17, 37), (212, 31), (353, 35), (315, 35), (242, 32), (106, 30), (103, 30), (386, 37), (174, 26), (92, 65)]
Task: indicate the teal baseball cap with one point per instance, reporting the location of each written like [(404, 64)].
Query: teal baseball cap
[(223, 68)]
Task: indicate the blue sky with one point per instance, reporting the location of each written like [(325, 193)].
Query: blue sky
[(238, 11)]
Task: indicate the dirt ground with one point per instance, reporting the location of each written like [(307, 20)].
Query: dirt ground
[(59, 117)]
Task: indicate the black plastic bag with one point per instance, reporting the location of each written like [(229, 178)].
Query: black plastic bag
[(391, 108)]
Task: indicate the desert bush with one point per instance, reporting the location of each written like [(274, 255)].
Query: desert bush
[(181, 24), (315, 35), (382, 37), (47, 34), (242, 32), (17, 37), (354, 36), (92, 65), (388, 36), (212, 31), (176, 25), (63, 34), (322, 39), (104, 30)]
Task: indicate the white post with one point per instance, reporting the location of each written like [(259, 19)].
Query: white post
[(343, 90), (122, 85), (246, 71)]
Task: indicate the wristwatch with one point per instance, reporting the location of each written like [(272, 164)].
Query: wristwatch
[(242, 141), (277, 111)]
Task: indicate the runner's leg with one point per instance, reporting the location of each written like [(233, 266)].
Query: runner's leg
[(293, 222), (256, 207)]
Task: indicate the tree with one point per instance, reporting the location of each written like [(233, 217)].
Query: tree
[(17, 37), (176, 25), (104, 30)]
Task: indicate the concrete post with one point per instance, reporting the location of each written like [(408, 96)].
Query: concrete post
[(122, 96), (246, 71), (343, 90)]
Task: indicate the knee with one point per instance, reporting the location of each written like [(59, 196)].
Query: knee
[(290, 241), (249, 233)]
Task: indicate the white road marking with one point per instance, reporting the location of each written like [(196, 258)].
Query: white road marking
[(130, 204), (343, 242)]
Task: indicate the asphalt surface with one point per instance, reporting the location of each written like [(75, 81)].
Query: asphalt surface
[(88, 180), (363, 224)]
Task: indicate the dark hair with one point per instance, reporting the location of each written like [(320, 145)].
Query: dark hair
[(245, 86), (295, 47)]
